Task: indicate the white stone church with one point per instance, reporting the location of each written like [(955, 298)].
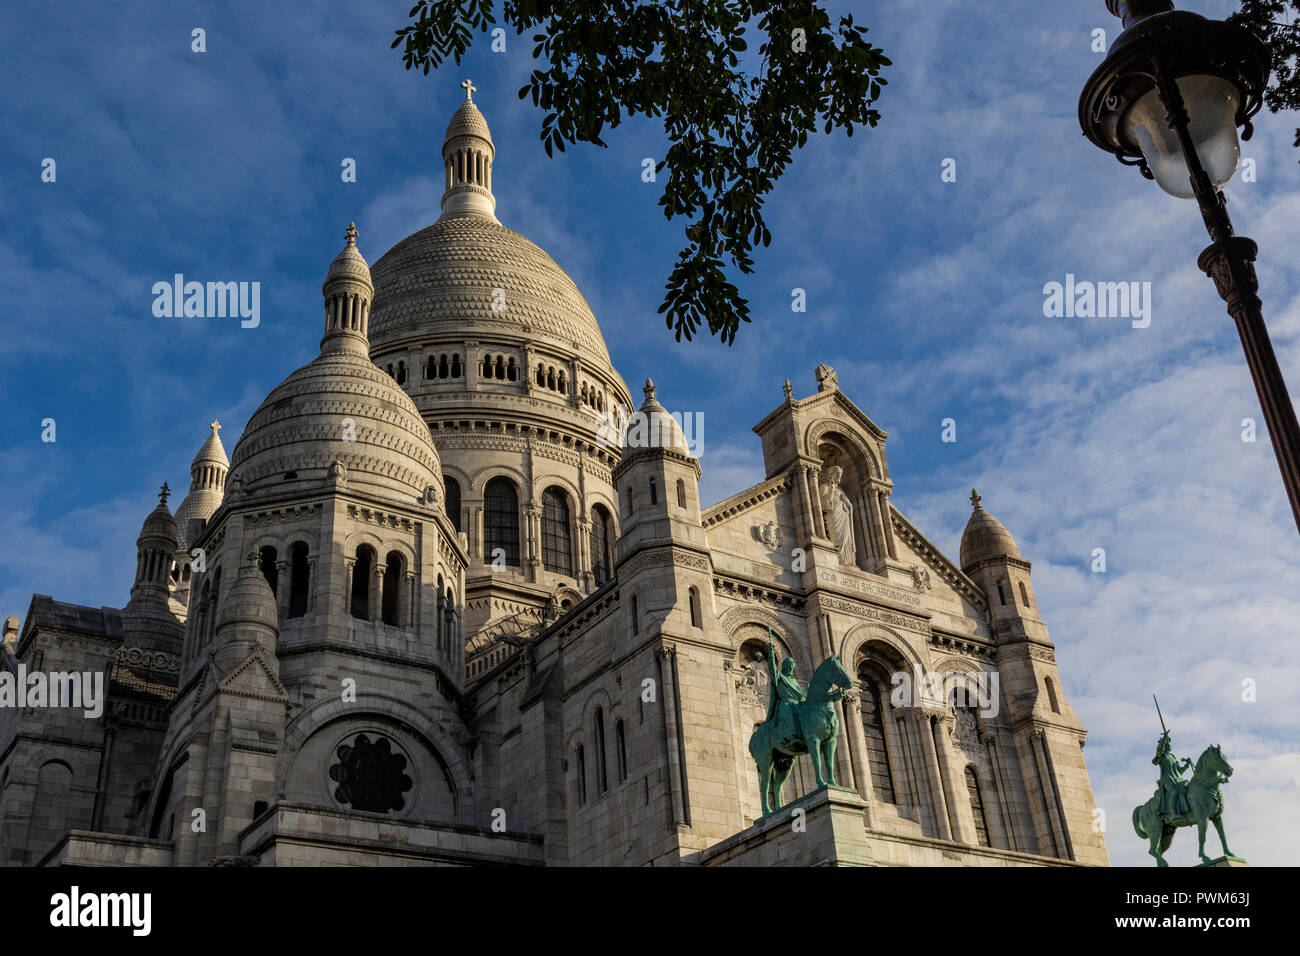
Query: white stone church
[(429, 613)]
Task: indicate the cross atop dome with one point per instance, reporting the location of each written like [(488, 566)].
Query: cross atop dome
[(216, 427), (163, 492), (975, 498), (467, 155)]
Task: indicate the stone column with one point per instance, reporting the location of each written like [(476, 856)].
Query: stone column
[(282, 587), (411, 602), (376, 590), (1038, 741), (351, 565), (311, 583), (819, 519), (921, 722), (806, 529), (888, 524), (671, 733), (942, 723), (858, 749), (871, 499), (989, 738)]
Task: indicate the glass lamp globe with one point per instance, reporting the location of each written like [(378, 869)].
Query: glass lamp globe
[(1211, 103)]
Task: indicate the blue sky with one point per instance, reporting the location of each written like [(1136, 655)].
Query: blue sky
[(926, 297)]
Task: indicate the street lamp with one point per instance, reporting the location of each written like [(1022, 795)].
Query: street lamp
[(1168, 99)]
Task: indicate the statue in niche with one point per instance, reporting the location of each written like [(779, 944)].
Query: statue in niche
[(838, 510)]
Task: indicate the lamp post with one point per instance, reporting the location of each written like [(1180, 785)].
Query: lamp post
[(1168, 99)]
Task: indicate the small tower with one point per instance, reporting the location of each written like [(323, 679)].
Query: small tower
[(658, 482), (467, 154), (155, 559), (1049, 736), (348, 293), (207, 487), (234, 723)]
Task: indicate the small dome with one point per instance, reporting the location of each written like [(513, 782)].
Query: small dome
[(653, 427), (159, 527), (349, 263), (249, 599), (337, 419), (468, 121), (985, 537)]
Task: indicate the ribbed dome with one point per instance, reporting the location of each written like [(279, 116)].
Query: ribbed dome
[(302, 429), (442, 279), (159, 527), (985, 537), (349, 264), (249, 601), (653, 427), (468, 121)]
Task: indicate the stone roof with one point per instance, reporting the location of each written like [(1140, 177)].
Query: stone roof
[(442, 279), (985, 537)]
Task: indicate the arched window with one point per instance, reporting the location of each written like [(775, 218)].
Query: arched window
[(654, 491), (629, 500), (391, 602), (501, 366), (602, 565), (512, 372), (453, 501), (1024, 595), (977, 808), (401, 373), (693, 598), (636, 626), (557, 550), (681, 493), (1051, 695), (602, 778), (541, 376), (299, 570), (1001, 596), (620, 748), (430, 368), (582, 775), (873, 728), (266, 564), (361, 572), (501, 521), (455, 366)]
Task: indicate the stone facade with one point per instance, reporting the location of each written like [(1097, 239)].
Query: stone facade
[(449, 602)]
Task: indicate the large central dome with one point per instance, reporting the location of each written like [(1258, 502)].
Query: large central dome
[(446, 279)]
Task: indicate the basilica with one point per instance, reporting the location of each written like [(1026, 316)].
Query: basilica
[(448, 602)]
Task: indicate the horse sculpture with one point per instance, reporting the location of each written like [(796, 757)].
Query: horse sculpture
[(810, 726), (1205, 802)]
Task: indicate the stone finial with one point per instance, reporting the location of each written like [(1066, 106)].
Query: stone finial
[(351, 234), (163, 492), (788, 389), (11, 634), (469, 88), (649, 390), (826, 378), (255, 557), (975, 498)]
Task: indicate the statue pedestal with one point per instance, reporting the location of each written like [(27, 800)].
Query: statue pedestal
[(824, 828), (1226, 861)]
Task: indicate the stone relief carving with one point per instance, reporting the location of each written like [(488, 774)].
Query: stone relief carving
[(770, 535), (921, 578)]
